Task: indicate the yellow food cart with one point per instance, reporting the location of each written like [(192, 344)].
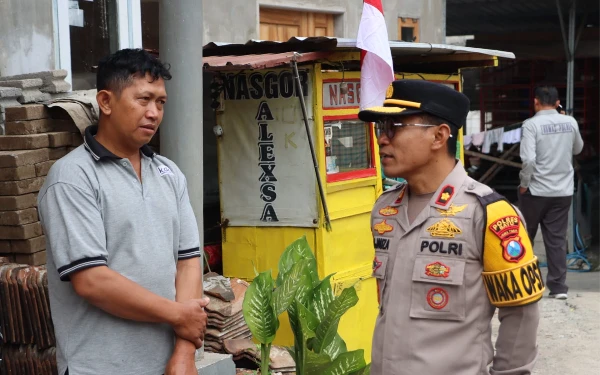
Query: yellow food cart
[(269, 191)]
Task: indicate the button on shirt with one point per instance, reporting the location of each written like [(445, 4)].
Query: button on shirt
[(548, 144), (96, 212)]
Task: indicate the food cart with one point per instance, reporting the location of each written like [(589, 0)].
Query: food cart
[(271, 193)]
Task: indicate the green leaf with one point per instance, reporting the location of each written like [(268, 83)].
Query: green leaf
[(327, 329), (316, 363), (296, 251), (285, 294), (364, 371), (346, 363), (322, 297), (258, 310), (306, 323), (337, 347)]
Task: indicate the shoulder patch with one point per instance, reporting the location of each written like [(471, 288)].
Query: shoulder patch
[(511, 273)]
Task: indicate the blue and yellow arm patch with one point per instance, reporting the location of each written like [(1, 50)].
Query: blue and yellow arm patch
[(511, 272)]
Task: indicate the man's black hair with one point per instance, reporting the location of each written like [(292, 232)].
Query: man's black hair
[(434, 120), (546, 95), (117, 71)]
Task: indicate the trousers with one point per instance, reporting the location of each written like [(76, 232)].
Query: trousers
[(552, 213)]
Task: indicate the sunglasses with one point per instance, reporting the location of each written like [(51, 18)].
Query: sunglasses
[(388, 127)]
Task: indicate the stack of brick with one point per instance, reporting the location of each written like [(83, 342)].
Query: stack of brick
[(33, 142), (30, 88)]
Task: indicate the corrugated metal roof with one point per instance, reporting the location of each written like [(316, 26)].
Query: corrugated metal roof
[(298, 44), (263, 61)]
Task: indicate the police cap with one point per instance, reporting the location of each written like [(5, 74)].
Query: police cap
[(410, 97)]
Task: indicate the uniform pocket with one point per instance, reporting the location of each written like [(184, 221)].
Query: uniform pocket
[(380, 264), (438, 290)]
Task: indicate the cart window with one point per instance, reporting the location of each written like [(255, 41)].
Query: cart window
[(348, 149)]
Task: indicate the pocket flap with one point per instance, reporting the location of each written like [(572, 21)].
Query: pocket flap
[(439, 270)]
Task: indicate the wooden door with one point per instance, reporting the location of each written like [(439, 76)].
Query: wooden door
[(281, 25)]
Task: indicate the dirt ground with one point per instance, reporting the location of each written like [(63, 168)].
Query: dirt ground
[(569, 331)]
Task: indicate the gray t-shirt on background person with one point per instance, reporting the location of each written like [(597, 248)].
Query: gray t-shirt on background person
[(548, 144), (96, 212)]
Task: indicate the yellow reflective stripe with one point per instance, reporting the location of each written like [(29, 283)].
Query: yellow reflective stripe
[(406, 103), (520, 285)]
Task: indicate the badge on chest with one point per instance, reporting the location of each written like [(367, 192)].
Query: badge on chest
[(442, 247)]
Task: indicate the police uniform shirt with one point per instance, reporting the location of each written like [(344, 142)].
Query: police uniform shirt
[(437, 298)]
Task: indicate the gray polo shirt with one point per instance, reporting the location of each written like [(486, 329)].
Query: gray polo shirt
[(96, 212), (548, 144)]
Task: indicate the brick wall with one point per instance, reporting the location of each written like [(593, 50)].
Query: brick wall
[(34, 140)]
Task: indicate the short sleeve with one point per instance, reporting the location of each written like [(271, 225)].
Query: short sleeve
[(189, 240), (74, 229)]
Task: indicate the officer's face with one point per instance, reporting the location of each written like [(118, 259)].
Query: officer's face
[(407, 151)]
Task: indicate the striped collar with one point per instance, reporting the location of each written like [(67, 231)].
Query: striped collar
[(99, 152)]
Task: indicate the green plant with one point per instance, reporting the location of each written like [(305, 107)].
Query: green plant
[(314, 313)]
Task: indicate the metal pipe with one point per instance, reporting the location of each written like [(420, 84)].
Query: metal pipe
[(571, 61), (181, 134), (310, 142), (562, 28)]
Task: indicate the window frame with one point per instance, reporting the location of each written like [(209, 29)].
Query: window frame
[(371, 171)]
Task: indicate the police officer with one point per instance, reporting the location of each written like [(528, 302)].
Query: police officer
[(448, 250)]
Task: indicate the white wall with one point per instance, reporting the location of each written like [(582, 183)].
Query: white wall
[(26, 36)]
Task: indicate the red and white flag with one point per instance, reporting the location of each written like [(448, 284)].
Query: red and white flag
[(377, 69)]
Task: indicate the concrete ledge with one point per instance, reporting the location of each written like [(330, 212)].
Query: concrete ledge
[(216, 364)]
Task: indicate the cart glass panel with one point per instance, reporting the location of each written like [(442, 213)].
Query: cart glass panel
[(348, 149)]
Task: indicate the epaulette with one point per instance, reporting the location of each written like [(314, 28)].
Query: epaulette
[(511, 273)]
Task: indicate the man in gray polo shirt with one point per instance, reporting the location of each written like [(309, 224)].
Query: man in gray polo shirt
[(547, 147), (124, 268)]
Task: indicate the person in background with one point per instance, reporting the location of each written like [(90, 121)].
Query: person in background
[(124, 270), (448, 250), (548, 144)]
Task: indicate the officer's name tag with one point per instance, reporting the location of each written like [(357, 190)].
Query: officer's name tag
[(442, 247), (164, 170)]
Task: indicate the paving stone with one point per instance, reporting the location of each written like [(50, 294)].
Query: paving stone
[(20, 217), (17, 173), (53, 81), (57, 153), (23, 157), (30, 90), (60, 139), (77, 139), (24, 142), (27, 112), (21, 187), (29, 246), (21, 232), (4, 246), (31, 126), (19, 202), (42, 169), (36, 259)]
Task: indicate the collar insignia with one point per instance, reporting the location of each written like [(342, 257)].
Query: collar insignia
[(445, 195), (400, 196)]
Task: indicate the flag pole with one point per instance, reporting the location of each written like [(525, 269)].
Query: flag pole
[(310, 142)]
